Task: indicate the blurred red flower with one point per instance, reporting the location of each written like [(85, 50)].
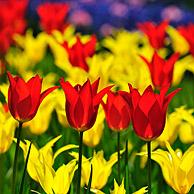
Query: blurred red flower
[(12, 20), (53, 16), (117, 111), (155, 33), (161, 70), (148, 111), (24, 98), (82, 103), (80, 51)]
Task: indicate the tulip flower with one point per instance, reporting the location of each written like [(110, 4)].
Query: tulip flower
[(53, 16), (121, 190), (117, 113), (148, 113), (24, 99), (43, 156), (100, 175), (155, 33), (187, 33), (177, 168), (79, 52), (82, 104), (161, 70)]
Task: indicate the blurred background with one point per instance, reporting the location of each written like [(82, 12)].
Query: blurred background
[(102, 16)]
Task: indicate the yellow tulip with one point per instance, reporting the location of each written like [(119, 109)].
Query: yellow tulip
[(177, 168), (42, 158), (121, 190), (118, 189), (55, 182), (181, 66), (101, 169), (7, 128), (177, 39), (34, 47)]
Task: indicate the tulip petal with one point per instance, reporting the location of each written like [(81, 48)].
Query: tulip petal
[(156, 119), (169, 97), (70, 92), (86, 99), (135, 96), (95, 86), (98, 97), (23, 109), (140, 122), (79, 113), (46, 92), (147, 100)]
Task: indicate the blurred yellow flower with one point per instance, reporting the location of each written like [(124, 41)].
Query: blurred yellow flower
[(93, 136), (34, 47), (127, 66), (7, 128), (177, 39), (101, 169), (181, 66), (177, 169)]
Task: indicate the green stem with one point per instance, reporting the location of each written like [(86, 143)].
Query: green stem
[(149, 167), (126, 168), (14, 178), (80, 163), (126, 153), (2, 171), (118, 153), (25, 168)]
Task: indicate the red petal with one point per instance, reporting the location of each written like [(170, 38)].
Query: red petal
[(70, 92), (22, 89), (98, 97), (147, 100), (86, 100), (156, 119), (140, 122), (79, 113), (95, 86), (46, 92), (24, 108), (169, 97), (89, 47), (135, 96), (170, 63)]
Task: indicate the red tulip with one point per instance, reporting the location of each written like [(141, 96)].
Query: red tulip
[(148, 111), (53, 16), (161, 70), (79, 52), (155, 33), (24, 98), (117, 111), (187, 32), (82, 103)]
